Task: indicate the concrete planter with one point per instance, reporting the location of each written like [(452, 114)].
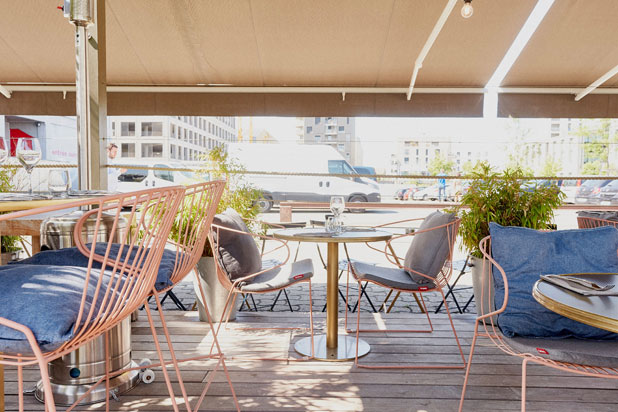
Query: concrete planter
[(483, 285), (215, 293)]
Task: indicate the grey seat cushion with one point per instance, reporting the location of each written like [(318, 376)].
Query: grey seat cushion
[(387, 276), (46, 299), (572, 350), (73, 257), (238, 254), (428, 251), (280, 277)]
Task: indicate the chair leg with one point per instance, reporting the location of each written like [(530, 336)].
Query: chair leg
[(524, 365), (288, 300), (162, 359), (468, 303), (465, 384), (175, 299), (272, 307)]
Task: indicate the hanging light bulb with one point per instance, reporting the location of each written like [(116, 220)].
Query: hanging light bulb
[(467, 10)]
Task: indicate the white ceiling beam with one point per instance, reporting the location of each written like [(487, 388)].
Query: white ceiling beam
[(6, 92), (597, 83), (307, 90), (437, 28)]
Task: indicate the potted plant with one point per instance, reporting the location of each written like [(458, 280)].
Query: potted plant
[(10, 246), (500, 198), (238, 195)]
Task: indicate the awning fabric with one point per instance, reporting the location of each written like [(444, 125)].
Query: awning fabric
[(308, 43), (15, 135)]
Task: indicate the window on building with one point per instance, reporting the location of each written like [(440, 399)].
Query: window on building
[(426, 152), (127, 129), (341, 147), (406, 160), (152, 129), (113, 128), (317, 120), (172, 151), (127, 150), (341, 128), (348, 120), (317, 137), (152, 150), (309, 129)]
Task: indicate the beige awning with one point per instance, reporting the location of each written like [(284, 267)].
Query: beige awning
[(305, 57), (576, 43)]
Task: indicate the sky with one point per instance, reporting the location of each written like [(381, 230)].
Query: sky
[(379, 134)]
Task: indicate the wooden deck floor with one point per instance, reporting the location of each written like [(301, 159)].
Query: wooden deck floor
[(329, 386)]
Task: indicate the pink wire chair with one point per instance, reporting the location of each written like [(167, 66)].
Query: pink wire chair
[(488, 329), (109, 296), (584, 222), (189, 233), (439, 282), (236, 287)]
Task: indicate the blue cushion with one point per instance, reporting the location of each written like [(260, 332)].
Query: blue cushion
[(46, 299), (524, 254), (73, 257)]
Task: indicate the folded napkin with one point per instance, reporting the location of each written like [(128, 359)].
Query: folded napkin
[(573, 284), (315, 234)]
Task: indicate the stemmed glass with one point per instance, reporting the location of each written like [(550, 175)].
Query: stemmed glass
[(29, 154), (337, 206)]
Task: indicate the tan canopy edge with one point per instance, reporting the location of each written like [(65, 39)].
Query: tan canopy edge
[(257, 104), (575, 44)]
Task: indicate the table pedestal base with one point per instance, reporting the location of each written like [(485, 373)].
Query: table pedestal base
[(346, 350)]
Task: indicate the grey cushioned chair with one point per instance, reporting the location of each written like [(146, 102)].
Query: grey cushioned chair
[(427, 267), (239, 266)]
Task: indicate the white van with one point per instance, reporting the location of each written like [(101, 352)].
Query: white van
[(301, 161), (136, 179)]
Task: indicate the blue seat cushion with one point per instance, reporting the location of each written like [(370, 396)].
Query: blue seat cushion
[(46, 299), (525, 254), (73, 257)]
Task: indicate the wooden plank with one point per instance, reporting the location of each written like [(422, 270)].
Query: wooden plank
[(494, 384)]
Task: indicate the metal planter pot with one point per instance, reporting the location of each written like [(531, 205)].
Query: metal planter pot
[(216, 294)]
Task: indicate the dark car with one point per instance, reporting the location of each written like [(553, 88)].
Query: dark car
[(609, 194), (589, 191), (400, 192)]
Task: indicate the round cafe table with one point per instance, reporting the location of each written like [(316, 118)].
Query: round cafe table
[(598, 311), (332, 346)]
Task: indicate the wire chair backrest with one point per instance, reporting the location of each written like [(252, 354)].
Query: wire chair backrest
[(584, 222), (192, 225), (112, 294)]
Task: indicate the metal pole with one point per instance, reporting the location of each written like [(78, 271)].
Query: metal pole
[(332, 301), (88, 16)]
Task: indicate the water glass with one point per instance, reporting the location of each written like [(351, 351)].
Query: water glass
[(29, 154), (331, 224), (58, 182), (337, 205)]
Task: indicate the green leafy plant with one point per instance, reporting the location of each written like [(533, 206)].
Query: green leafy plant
[(238, 194), (499, 197), (8, 243)]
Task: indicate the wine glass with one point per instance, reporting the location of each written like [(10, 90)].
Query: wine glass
[(58, 182), (337, 206), (29, 154), (4, 153)]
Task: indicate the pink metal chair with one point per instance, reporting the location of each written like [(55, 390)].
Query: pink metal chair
[(529, 350), (91, 301), (265, 280), (586, 222), (185, 247), (399, 279)]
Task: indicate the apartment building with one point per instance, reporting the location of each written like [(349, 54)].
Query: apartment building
[(177, 138), (338, 132)]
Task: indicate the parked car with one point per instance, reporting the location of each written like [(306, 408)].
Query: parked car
[(531, 185), (569, 187), (408, 195), (138, 179), (589, 190), (431, 193), (400, 192), (609, 194)]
